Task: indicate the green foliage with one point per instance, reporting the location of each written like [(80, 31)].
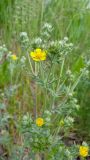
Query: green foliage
[(83, 94), (56, 89)]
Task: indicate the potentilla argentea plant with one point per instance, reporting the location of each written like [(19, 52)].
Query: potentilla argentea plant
[(52, 79)]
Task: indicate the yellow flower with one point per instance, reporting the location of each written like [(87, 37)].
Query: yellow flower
[(14, 57), (39, 122), (61, 122), (83, 151), (38, 55)]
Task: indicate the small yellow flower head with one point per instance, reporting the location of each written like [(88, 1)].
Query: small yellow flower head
[(83, 151), (61, 122), (39, 122), (38, 55), (14, 57)]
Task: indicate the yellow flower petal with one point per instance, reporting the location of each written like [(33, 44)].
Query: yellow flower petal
[(38, 55), (32, 54), (83, 151), (38, 50), (39, 122), (14, 57)]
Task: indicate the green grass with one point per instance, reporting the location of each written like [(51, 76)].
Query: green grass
[(70, 18)]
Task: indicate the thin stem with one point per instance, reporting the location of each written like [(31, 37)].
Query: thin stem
[(11, 70), (62, 66), (42, 11), (43, 78), (30, 64), (61, 71), (36, 88)]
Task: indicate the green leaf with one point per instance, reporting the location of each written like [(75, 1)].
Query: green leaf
[(78, 65)]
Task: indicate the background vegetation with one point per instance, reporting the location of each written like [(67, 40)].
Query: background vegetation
[(69, 18)]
